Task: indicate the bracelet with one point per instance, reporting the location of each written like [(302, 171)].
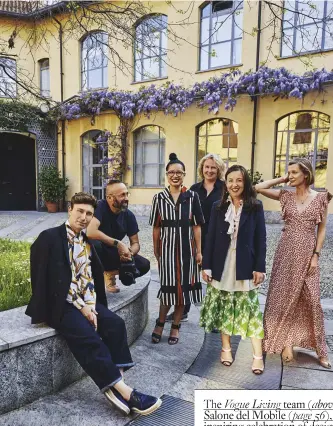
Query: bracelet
[(317, 253)]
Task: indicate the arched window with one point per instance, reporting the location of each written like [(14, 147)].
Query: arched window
[(303, 134), (93, 170), (307, 27), (44, 72), (94, 61), (7, 78), (218, 136), (150, 50), (221, 33), (149, 162)]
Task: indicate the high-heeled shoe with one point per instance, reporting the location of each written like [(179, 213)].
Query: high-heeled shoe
[(226, 362), (174, 340), (156, 338), (325, 364), (257, 370)]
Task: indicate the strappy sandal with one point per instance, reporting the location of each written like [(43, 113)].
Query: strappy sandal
[(156, 338), (226, 362), (174, 340), (257, 370), (325, 364)]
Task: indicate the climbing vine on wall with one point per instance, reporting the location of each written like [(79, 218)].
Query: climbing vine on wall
[(222, 91), (18, 116)]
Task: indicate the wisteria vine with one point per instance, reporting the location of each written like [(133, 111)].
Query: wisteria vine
[(217, 91), (175, 99)]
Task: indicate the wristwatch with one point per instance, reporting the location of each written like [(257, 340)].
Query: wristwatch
[(115, 242)]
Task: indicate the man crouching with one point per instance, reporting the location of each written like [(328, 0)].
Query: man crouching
[(68, 294)]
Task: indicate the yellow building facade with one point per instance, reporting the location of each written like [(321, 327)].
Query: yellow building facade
[(285, 128)]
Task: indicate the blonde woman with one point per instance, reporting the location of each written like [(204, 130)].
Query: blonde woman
[(293, 314), (211, 171)]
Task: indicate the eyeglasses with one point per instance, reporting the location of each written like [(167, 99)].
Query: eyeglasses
[(172, 173)]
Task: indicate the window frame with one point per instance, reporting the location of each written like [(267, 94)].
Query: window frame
[(205, 123), (161, 56), (237, 5), (4, 93), (289, 132), (41, 69), (142, 164), (90, 166), (296, 27), (84, 61)]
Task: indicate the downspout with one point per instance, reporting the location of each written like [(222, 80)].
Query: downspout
[(255, 102), (62, 99)]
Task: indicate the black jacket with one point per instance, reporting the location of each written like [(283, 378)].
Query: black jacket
[(51, 276), (251, 242)]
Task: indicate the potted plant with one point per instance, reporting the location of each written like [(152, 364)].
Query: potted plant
[(52, 186)]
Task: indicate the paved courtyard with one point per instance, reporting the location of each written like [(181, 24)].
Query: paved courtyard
[(172, 372)]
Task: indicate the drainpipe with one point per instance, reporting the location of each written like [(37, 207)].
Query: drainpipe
[(255, 102), (61, 99)]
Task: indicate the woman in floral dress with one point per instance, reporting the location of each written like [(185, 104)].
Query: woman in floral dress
[(293, 314), (234, 266)]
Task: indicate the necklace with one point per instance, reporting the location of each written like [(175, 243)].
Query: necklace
[(303, 201)]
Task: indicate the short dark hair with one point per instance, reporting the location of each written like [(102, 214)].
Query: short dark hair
[(113, 181), (83, 198)]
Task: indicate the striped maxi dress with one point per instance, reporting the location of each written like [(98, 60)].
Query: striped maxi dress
[(178, 270)]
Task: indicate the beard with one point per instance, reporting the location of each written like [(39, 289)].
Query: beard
[(121, 205)]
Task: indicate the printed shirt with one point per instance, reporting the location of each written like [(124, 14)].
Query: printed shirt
[(82, 289)]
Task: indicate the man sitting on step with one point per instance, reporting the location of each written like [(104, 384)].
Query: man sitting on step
[(68, 293), (112, 221)]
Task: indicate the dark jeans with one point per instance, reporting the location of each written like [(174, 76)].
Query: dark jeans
[(100, 353), (111, 261)]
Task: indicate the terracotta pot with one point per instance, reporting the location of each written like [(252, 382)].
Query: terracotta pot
[(51, 207)]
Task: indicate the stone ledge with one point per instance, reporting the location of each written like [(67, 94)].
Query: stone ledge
[(35, 361)]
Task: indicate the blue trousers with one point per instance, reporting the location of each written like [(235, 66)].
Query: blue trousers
[(100, 353)]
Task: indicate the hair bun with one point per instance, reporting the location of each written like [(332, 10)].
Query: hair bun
[(173, 156)]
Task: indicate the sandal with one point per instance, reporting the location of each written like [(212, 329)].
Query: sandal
[(257, 370), (226, 362), (156, 338), (174, 340), (325, 364)]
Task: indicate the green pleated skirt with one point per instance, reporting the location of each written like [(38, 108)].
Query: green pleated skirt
[(232, 313)]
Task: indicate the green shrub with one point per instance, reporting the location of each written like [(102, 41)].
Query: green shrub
[(52, 186), (15, 288)]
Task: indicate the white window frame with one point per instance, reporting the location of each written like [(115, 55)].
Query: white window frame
[(207, 44), (294, 27), (44, 69), (160, 141), (89, 45), (146, 33), (8, 86)]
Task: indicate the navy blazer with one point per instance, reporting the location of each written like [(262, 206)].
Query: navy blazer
[(51, 276), (251, 242)]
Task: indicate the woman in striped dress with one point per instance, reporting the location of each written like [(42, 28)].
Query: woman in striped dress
[(176, 216)]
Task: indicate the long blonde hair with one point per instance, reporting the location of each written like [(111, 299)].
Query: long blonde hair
[(221, 167)]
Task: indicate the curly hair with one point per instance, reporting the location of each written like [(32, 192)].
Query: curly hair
[(220, 164)]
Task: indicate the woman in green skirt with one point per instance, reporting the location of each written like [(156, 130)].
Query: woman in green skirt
[(234, 266)]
